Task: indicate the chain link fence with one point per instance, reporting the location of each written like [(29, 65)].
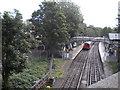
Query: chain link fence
[(44, 54)]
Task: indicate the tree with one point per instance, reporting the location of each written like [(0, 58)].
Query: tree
[(82, 29), (106, 30), (74, 17), (50, 26), (90, 32), (31, 34), (14, 45)]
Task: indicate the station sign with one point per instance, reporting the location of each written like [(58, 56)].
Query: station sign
[(114, 36)]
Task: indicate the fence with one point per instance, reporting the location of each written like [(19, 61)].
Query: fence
[(44, 54)]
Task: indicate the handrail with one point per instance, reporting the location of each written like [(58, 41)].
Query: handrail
[(39, 81)]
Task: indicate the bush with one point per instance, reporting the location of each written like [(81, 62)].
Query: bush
[(22, 80), (35, 70)]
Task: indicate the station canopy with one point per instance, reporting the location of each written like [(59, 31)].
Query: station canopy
[(114, 36)]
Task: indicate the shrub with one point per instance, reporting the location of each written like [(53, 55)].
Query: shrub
[(35, 70)]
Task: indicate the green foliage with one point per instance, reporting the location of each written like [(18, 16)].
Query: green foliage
[(114, 66), (106, 30), (22, 80), (74, 17), (97, 31), (50, 26), (14, 42), (31, 34), (58, 72), (14, 45), (58, 62), (35, 70), (82, 30), (90, 32)]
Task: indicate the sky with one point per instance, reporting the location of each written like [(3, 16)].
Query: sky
[(100, 13)]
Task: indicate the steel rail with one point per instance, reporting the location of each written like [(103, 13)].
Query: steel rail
[(95, 68), (80, 78)]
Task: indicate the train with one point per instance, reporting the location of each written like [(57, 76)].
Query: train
[(87, 45)]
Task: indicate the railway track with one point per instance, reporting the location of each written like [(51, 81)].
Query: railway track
[(95, 68), (84, 70), (74, 75)]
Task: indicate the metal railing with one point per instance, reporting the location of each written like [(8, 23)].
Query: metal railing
[(41, 80)]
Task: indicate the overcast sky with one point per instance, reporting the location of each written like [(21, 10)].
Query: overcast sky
[(99, 13)]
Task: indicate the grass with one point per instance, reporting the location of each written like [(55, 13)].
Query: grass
[(114, 66), (58, 72)]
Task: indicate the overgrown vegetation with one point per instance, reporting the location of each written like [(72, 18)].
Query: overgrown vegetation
[(52, 25), (15, 45), (114, 66), (74, 18), (35, 70), (58, 71)]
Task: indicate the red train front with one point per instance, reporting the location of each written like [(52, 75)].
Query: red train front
[(87, 45)]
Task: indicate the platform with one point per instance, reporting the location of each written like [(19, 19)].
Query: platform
[(111, 80)]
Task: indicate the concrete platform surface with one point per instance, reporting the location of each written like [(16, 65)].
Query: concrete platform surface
[(104, 55), (110, 82), (76, 51)]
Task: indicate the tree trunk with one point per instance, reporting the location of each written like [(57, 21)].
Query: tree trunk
[(5, 83), (5, 73), (51, 64)]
